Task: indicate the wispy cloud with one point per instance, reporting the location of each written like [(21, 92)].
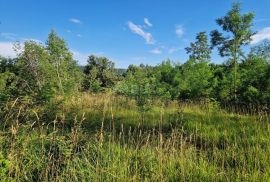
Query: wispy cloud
[(156, 51), (174, 49), (12, 37), (9, 36), (7, 50), (75, 20), (261, 20), (179, 30), (79, 35), (138, 58), (139, 31), (31, 39), (261, 35), (147, 22)]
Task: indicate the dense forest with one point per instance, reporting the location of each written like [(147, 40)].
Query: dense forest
[(197, 121)]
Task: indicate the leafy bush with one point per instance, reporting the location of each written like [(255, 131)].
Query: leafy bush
[(4, 167)]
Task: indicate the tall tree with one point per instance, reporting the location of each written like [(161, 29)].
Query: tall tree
[(66, 69), (200, 49), (99, 73), (45, 70), (33, 62), (237, 29)]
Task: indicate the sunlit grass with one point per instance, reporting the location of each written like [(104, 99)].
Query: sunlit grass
[(102, 138)]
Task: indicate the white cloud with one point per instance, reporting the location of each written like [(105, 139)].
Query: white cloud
[(139, 31), (7, 50), (156, 51), (75, 20), (179, 30), (9, 36), (80, 57), (147, 22), (261, 35), (174, 49), (79, 35), (31, 39)]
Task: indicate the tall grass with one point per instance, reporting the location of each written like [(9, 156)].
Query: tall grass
[(101, 138)]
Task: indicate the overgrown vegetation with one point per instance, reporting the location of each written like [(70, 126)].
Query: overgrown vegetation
[(196, 121)]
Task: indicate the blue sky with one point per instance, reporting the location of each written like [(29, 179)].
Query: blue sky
[(126, 31)]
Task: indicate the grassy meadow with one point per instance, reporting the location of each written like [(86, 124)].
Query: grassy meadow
[(104, 137), (66, 116)]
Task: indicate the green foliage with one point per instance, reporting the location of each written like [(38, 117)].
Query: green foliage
[(194, 142), (35, 71), (99, 74), (8, 79), (200, 50), (67, 76), (139, 87), (51, 132), (4, 166), (46, 71), (7, 84), (165, 74), (255, 81), (40, 74), (237, 28), (194, 81)]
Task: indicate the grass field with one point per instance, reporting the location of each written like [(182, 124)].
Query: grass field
[(104, 138)]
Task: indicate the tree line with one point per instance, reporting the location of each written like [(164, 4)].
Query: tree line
[(42, 72)]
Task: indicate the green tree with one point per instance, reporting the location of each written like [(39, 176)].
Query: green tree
[(139, 87), (34, 70), (47, 70), (8, 77), (255, 81), (200, 50), (194, 80), (99, 73), (164, 80), (237, 28), (132, 69), (40, 74), (66, 70)]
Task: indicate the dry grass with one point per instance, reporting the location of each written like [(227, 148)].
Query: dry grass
[(101, 138)]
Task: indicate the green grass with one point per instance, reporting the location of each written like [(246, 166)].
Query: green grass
[(103, 138)]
